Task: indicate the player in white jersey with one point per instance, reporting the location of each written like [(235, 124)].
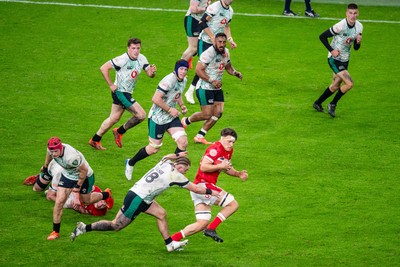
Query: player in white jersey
[(192, 27), (164, 116), (140, 198), (215, 20), (346, 33), (76, 177), (54, 170), (128, 67), (210, 68)]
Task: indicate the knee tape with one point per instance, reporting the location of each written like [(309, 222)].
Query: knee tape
[(178, 135), (155, 145), (228, 198), (203, 215)]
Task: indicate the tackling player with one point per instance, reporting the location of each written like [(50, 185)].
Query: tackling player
[(140, 199)]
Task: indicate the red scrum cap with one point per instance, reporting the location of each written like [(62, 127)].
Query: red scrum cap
[(54, 143)]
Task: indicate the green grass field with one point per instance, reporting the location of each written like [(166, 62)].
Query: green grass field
[(321, 191)]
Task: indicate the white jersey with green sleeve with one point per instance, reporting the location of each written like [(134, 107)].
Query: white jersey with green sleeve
[(202, 4), (215, 66), (70, 161), (172, 90), (127, 71), (343, 38), (157, 180), (220, 17)]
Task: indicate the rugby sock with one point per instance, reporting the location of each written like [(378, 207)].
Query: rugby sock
[(308, 5), (327, 93), (168, 240), (187, 121), (121, 130), (177, 150), (202, 133), (141, 154), (105, 195), (96, 138), (88, 227), (178, 236), (219, 219), (195, 80), (337, 97), (56, 227)]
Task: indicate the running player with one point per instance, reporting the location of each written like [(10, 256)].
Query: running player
[(128, 67), (216, 19), (216, 159), (164, 116), (346, 33)]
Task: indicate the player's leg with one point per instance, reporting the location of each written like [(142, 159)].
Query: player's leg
[(114, 117), (62, 196), (178, 133)]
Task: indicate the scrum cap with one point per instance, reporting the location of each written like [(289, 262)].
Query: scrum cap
[(54, 143), (181, 63)]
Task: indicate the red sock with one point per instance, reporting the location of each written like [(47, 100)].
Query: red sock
[(177, 236), (214, 224)]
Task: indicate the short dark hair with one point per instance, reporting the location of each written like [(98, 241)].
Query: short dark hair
[(352, 6), (220, 34), (228, 131), (134, 41)]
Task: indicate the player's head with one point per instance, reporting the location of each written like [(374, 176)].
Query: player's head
[(55, 147), (220, 42), (227, 2), (352, 13), (228, 138), (181, 69), (182, 164), (134, 45)]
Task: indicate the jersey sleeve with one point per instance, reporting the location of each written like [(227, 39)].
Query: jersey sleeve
[(119, 62), (145, 63), (179, 179), (165, 84)]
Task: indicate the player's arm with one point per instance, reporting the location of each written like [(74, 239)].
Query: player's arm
[(324, 39), (201, 190), (357, 43), (231, 70), (204, 26), (227, 31), (195, 8), (83, 170), (151, 70), (105, 71), (240, 174), (206, 165), (158, 100)]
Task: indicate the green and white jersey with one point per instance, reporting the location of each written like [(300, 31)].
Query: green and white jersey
[(127, 71), (215, 66), (202, 4), (157, 180), (172, 90), (70, 161), (220, 17), (343, 38)]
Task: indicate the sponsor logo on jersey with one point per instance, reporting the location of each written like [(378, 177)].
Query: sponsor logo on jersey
[(134, 74)]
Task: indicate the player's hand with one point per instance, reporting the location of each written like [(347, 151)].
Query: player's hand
[(238, 74), (233, 44), (174, 112), (359, 38), (153, 70), (113, 88), (217, 84), (335, 53), (214, 193), (225, 165), (243, 175), (184, 109)]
